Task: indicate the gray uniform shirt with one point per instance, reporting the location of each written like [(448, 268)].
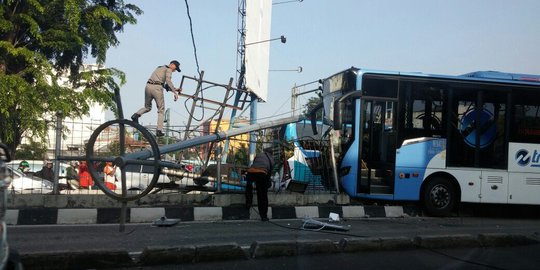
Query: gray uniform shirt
[(263, 160), (162, 74)]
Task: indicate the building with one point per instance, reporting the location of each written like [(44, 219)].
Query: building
[(236, 143)]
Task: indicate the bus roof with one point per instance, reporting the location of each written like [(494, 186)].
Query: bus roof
[(503, 76), (493, 76)]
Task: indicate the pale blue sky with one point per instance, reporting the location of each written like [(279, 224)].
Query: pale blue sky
[(326, 36)]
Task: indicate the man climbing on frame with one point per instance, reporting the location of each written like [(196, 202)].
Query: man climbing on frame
[(159, 80)]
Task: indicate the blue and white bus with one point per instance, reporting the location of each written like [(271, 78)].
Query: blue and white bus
[(436, 139)]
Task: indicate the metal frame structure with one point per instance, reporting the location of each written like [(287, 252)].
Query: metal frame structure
[(198, 100), (152, 156)]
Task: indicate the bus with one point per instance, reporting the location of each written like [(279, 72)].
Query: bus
[(439, 140)]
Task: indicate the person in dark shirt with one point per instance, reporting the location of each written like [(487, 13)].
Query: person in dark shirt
[(260, 172), (46, 172)]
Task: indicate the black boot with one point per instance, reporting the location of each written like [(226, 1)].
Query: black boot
[(135, 118), (159, 133)]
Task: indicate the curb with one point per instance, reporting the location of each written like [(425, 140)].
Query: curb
[(188, 254), (50, 216), (191, 254), (77, 259)]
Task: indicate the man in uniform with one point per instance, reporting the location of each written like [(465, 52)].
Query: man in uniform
[(160, 78)]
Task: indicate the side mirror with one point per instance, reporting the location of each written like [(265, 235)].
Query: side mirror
[(313, 117), (339, 107)]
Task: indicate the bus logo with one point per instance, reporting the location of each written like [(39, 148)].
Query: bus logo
[(523, 158), (469, 127)]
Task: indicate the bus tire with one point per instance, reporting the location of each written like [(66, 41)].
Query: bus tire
[(439, 197)]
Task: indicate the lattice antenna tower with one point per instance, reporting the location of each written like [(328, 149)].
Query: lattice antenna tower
[(241, 41)]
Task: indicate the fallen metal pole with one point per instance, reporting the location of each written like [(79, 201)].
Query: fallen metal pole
[(145, 154)]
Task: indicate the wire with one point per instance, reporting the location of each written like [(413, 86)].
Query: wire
[(275, 115), (309, 230), (320, 230), (424, 248), (282, 104), (193, 38), (195, 54), (217, 111)]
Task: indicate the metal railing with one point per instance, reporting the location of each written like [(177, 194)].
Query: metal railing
[(192, 174)]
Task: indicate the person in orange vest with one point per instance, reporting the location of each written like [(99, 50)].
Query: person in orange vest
[(110, 175), (85, 179)]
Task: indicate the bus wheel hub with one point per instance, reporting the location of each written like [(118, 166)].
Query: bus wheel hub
[(440, 196)]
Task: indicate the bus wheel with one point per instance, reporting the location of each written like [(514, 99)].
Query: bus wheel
[(440, 197)]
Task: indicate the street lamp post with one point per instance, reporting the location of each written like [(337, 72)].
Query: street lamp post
[(285, 2), (282, 38), (254, 99), (299, 69)]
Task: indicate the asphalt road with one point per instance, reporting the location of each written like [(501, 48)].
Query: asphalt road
[(40, 238)]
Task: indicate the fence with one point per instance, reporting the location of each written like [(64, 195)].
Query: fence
[(201, 168)]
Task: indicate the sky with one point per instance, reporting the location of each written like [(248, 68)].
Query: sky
[(448, 37)]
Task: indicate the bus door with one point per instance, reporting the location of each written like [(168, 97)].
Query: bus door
[(377, 147)]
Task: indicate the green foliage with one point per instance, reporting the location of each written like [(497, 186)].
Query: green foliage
[(42, 40), (312, 103), (240, 156), (113, 149), (32, 151)]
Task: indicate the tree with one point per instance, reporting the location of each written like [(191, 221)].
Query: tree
[(34, 150), (42, 40), (311, 104), (239, 155)]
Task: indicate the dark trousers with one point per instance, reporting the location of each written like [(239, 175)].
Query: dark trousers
[(262, 182)]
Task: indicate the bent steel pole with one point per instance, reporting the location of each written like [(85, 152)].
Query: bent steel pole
[(145, 154)]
